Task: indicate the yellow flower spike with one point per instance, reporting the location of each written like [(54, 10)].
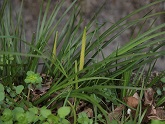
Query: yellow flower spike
[(82, 50), (55, 46)]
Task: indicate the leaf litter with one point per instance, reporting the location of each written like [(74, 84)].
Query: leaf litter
[(132, 102), (153, 112)]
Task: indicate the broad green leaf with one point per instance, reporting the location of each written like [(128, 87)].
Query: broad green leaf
[(53, 119), (19, 89), (7, 115), (34, 110), (45, 112), (31, 117), (63, 111), (17, 110)]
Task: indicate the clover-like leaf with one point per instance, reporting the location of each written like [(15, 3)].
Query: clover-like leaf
[(17, 110), (31, 117), (53, 119), (21, 117), (33, 78), (63, 111), (83, 118), (7, 115), (19, 89), (45, 112), (34, 110)]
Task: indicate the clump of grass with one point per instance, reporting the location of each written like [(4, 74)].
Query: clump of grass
[(73, 74)]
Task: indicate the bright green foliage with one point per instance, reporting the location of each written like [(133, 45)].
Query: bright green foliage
[(33, 110), (33, 78), (21, 118), (83, 118), (32, 114), (7, 115), (45, 112), (31, 117), (63, 111), (52, 119)]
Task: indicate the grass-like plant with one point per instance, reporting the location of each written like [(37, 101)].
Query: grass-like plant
[(75, 74)]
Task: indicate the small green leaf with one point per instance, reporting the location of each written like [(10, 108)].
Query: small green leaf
[(64, 121), (83, 118), (7, 115), (163, 79), (19, 89), (34, 110), (33, 78), (159, 92), (21, 117), (31, 117), (63, 111), (53, 119), (2, 96), (17, 110), (30, 73), (12, 94), (45, 112), (1, 88)]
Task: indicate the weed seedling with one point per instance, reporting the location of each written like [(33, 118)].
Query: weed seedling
[(33, 79)]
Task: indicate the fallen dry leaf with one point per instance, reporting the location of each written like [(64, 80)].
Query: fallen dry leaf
[(89, 112), (136, 96), (117, 113), (157, 113), (131, 101), (148, 96), (81, 105)]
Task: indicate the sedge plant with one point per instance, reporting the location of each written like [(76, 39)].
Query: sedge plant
[(75, 72)]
